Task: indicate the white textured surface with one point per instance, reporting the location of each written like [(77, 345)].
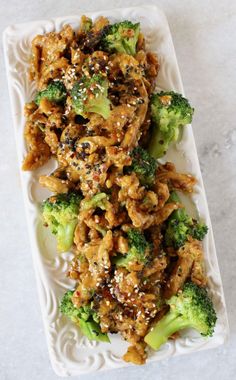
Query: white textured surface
[(206, 53)]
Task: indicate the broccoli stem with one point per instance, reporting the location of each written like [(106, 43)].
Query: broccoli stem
[(92, 331), (99, 200), (179, 214), (65, 236), (174, 197), (100, 105), (159, 144), (164, 328)]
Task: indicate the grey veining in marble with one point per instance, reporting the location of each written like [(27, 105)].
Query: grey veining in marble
[(204, 35)]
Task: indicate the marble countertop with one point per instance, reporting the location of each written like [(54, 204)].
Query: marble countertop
[(204, 35)]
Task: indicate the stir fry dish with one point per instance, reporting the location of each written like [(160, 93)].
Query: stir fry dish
[(138, 260)]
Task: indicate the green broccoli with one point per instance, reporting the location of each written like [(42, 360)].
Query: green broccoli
[(86, 318), (180, 225), (60, 213), (198, 230), (55, 92), (143, 165), (89, 94), (86, 24), (190, 308), (121, 37), (97, 201), (139, 250), (169, 111)]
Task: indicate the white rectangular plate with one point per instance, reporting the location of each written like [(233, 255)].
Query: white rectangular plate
[(70, 353)]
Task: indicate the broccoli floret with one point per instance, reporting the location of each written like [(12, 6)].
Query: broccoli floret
[(55, 92), (198, 230), (143, 165), (139, 250), (180, 225), (169, 111), (190, 308), (121, 37), (86, 24), (86, 318), (97, 201), (137, 240), (90, 95), (60, 213)]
